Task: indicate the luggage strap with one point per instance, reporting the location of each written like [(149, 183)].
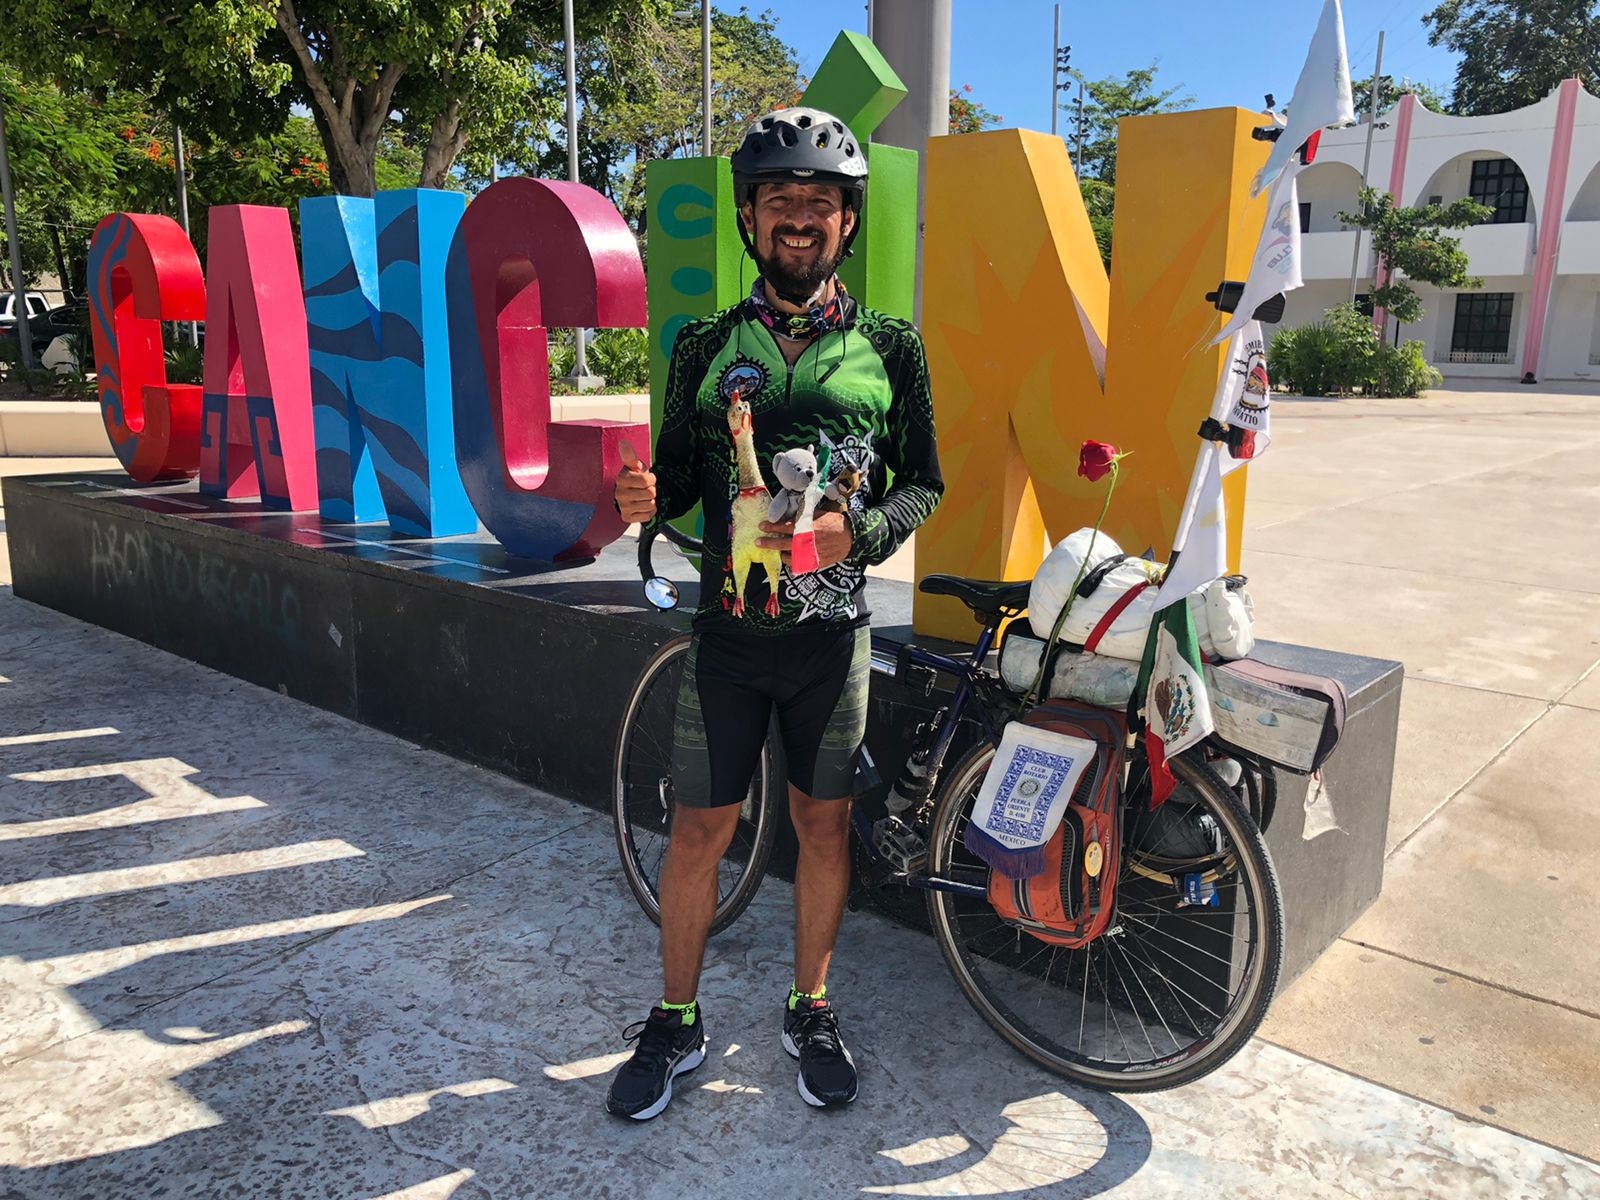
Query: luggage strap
[(1104, 625)]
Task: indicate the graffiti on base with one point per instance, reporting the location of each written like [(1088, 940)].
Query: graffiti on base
[(123, 558)]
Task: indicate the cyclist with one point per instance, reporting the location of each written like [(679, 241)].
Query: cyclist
[(818, 370)]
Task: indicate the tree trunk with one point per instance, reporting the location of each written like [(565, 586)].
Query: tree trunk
[(61, 262), (445, 142), (351, 119)]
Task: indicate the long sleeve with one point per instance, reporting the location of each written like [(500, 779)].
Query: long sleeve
[(910, 449), (677, 456)]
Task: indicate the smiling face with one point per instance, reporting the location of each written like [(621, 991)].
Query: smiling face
[(798, 230)]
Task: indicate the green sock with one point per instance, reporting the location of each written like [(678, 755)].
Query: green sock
[(687, 1013), (796, 996)]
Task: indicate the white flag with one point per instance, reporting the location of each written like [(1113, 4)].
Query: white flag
[(1244, 399), (1276, 265), (1201, 544), (1321, 95)]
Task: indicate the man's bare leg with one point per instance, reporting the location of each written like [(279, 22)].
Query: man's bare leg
[(821, 884), (689, 894)]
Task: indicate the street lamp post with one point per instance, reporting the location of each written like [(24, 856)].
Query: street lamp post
[(18, 284), (705, 77), (1061, 64), (1366, 158), (580, 365)]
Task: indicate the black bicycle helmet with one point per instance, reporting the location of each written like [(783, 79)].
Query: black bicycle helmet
[(801, 145)]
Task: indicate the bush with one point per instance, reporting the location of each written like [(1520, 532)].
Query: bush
[(1341, 353), (185, 361), (1402, 371), (622, 356), (561, 353)]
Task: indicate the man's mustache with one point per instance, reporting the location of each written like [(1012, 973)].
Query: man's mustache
[(809, 231)]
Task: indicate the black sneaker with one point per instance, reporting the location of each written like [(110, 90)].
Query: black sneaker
[(827, 1072), (667, 1048)]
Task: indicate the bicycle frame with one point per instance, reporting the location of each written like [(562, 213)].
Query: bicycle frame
[(969, 676)]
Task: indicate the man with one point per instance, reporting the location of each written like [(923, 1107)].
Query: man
[(817, 370)]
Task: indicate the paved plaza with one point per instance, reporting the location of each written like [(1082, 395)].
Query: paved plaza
[(248, 948)]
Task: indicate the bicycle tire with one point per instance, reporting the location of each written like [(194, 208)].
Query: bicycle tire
[(1207, 1049), (641, 797)]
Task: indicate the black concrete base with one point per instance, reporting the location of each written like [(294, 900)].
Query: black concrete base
[(526, 668)]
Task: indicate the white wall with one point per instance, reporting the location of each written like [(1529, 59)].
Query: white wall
[(1330, 188)]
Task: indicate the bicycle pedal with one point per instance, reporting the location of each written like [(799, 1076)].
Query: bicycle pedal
[(900, 845)]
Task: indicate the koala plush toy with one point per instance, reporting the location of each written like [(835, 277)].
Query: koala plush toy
[(797, 474)]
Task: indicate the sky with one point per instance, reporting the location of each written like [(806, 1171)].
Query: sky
[(1221, 51)]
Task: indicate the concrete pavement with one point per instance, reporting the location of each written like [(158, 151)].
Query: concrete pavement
[(247, 944), (251, 949)]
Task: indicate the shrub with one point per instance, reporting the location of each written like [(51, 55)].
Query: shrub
[(1402, 371), (622, 356), (561, 353), (1341, 353), (185, 361)]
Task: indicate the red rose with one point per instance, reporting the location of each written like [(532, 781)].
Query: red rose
[(1096, 459)]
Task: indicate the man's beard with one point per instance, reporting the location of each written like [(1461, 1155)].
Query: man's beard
[(802, 283)]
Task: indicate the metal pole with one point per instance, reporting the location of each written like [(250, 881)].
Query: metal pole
[(18, 287), (1366, 158), (580, 367), (705, 77), (869, 20), (183, 205), (914, 36), (1077, 166), (1055, 73)]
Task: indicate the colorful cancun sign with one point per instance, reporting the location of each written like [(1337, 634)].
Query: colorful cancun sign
[(403, 377)]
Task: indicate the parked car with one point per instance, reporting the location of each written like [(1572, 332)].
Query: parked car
[(38, 306)]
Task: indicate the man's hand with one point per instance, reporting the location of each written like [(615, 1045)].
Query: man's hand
[(636, 488), (832, 533)]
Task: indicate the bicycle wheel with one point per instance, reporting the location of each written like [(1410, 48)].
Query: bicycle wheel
[(642, 802), (1173, 989)]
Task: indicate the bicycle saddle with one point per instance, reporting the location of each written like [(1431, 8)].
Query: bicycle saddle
[(986, 598)]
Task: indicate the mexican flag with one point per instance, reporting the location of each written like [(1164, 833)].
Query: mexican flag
[(1172, 692)]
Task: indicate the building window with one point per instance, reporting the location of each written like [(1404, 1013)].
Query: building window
[(1483, 328), (1500, 184)]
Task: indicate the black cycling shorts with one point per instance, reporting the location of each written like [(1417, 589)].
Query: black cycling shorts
[(816, 679)]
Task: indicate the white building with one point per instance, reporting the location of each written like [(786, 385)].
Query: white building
[(1538, 311)]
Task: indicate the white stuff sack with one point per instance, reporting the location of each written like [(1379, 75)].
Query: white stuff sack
[(1223, 615)]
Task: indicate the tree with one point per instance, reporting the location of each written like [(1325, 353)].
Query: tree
[(1410, 242), (1389, 94), (459, 69), (1515, 52), (77, 156), (1099, 198), (641, 99), (1106, 102), (968, 115)]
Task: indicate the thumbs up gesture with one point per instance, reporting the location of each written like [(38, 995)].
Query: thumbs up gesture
[(636, 487)]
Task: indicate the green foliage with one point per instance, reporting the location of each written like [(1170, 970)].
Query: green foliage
[(1515, 52), (1099, 198), (562, 354), (1107, 101), (968, 115), (622, 356), (185, 360), (452, 70), (77, 156), (641, 98), (1411, 241), (1389, 93), (1402, 370), (1341, 354)]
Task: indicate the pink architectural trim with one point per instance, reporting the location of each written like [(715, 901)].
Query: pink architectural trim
[(1554, 211), (1397, 180)]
